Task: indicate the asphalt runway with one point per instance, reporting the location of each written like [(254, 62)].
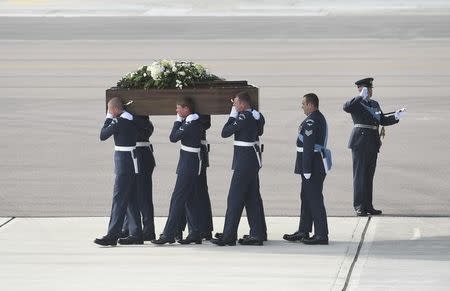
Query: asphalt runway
[(54, 72)]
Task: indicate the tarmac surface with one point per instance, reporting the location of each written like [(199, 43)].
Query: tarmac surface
[(54, 73)]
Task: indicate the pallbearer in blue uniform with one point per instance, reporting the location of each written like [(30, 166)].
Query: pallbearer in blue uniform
[(311, 145), (365, 143), (203, 201), (119, 124), (144, 183), (259, 117), (244, 188), (187, 129)]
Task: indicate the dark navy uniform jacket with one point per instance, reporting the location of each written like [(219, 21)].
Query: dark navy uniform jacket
[(244, 128), (313, 129), (145, 158), (205, 121), (367, 113), (189, 134), (125, 134)]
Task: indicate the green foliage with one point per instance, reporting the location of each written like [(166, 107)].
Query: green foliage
[(164, 74)]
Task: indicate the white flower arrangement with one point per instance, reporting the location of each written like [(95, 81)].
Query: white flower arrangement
[(163, 74)]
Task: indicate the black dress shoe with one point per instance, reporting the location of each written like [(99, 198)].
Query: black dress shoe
[(197, 239), (247, 235), (296, 236), (250, 241), (220, 242), (123, 234), (316, 240), (106, 241), (163, 240), (206, 235), (360, 212), (149, 236), (374, 211), (218, 235), (130, 240)]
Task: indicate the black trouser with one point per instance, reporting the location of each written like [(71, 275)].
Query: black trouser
[(364, 164), (243, 192), (260, 215), (183, 197), (202, 206), (313, 208), (144, 186), (124, 202)]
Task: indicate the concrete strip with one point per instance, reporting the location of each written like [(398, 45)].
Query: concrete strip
[(352, 249), (58, 254), (404, 254)]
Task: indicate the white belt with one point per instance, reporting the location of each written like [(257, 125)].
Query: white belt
[(204, 142), (249, 144), (374, 127), (197, 151), (190, 149), (143, 144), (244, 143), (300, 150), (124, 149), (129, 149)]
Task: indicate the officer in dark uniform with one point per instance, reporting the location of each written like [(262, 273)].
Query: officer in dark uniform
[(365, 144), (144, 184), (187, 129), (244, 183), (201, 193), (260, 122), (119, 123), (310, 141)]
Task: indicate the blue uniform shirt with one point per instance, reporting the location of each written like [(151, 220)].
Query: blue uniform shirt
[(313, 129), (189, 134), (244, 128), (366, 113), (125, 134)]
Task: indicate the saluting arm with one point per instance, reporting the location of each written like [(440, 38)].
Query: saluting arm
[(109, 128), (350, 105)]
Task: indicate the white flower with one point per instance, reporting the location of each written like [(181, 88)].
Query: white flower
[(181, 73), (145, 74), (178, 84), (156, 70)]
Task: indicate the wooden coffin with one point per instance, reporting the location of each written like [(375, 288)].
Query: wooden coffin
[(210, 98)]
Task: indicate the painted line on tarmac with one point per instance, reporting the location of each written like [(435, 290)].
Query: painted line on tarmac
[(5, 223), (355, 259)]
